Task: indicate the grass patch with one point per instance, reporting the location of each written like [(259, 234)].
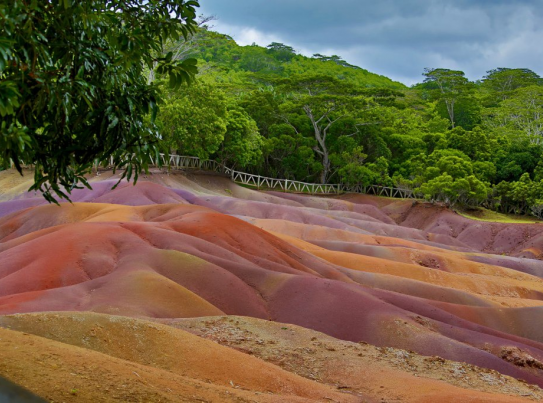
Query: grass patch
[(483, 214)]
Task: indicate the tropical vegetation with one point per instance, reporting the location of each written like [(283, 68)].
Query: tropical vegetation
[(112, 81)]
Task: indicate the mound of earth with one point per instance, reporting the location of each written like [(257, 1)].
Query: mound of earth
[(519, 240), (357, 268), (101, 358), (228, 358)]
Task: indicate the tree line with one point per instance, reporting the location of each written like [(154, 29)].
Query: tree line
[(83, 81), (276, 113)]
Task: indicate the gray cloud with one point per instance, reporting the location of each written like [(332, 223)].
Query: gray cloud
[(396, 38)]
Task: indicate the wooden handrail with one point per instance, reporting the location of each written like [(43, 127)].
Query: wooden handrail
[(285, 185)]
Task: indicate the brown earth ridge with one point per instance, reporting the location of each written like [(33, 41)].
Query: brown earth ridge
[(188, 287)]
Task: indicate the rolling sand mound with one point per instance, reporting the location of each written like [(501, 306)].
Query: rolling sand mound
[(176, 247), (519, 240), (259, 365), (95, 357)]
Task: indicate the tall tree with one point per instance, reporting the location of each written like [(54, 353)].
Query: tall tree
[(522, 113), (325, 101), (503, 81), (72, 88), (242, 145), (281, 51), (193, 121), (334, 58), (451, 85)]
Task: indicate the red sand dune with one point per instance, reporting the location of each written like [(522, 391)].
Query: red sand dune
[(341, 267)]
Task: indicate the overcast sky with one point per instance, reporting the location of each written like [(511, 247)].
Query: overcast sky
[(396, 38)]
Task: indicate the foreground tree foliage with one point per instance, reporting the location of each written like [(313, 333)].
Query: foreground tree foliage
[(80, 83), (72, 84)]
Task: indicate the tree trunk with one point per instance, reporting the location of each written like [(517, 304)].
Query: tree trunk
[(450, 110), (320, 136), (325, 166)]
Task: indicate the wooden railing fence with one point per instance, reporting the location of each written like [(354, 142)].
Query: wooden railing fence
[(285, 185)]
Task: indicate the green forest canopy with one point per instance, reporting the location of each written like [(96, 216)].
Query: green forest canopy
[(320, 119), (273, 112)]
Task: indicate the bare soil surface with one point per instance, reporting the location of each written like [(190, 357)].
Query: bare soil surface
[(187, 287), (96, 357), (93, 358)]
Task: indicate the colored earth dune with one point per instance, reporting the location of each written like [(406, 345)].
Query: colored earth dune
[(187, 287)]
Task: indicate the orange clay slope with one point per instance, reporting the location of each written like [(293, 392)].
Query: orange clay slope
[(196, 359), (201, 246), (90, 357)]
